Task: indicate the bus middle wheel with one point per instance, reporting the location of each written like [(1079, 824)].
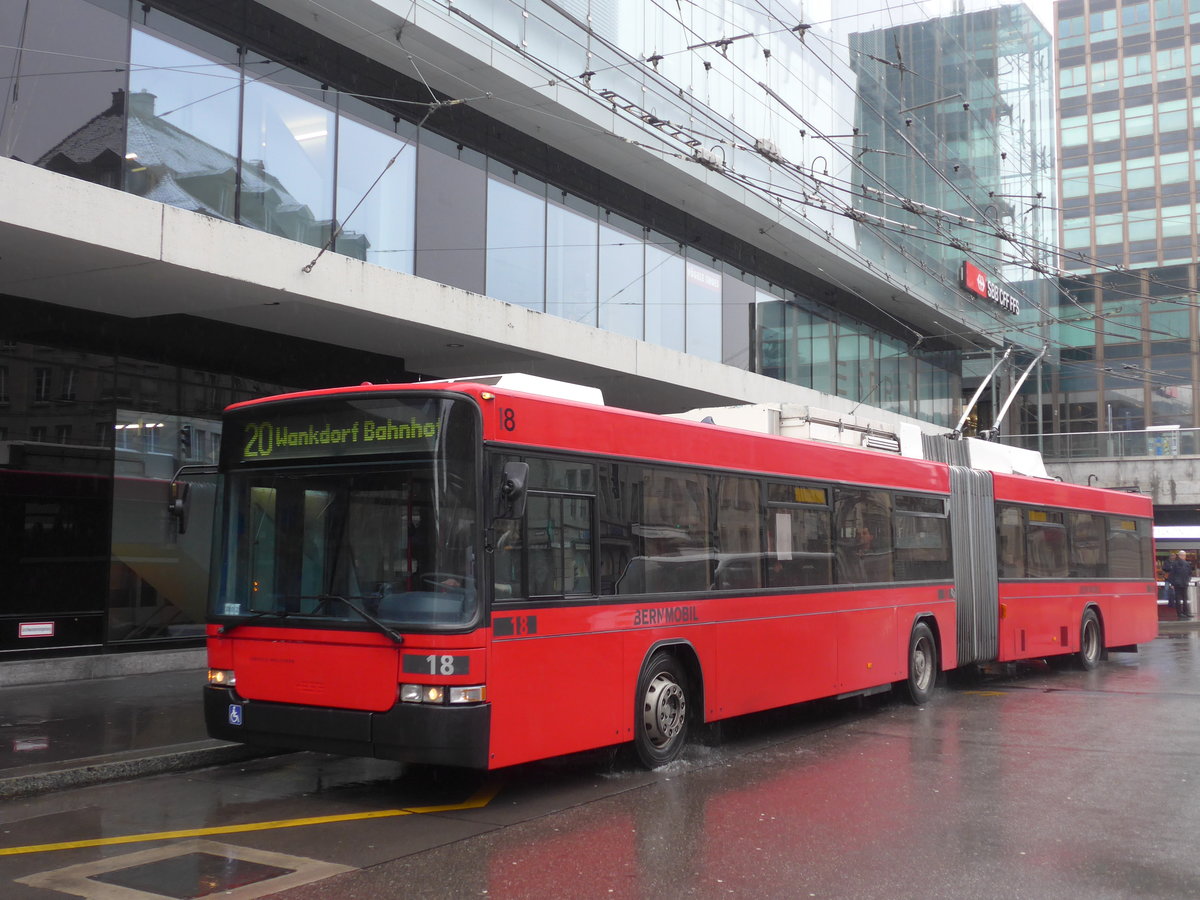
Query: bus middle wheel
[(922, 664), (1091, 642)]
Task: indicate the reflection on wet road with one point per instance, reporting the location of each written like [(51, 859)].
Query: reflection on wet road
[(1032, 782)]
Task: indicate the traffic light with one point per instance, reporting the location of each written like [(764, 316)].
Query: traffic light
[(185, 441)]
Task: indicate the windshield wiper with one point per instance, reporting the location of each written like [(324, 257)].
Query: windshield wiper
[(228, 627), (324, 599)]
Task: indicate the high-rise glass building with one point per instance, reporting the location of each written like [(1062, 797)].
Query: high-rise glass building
[(1126, 312), (684, 205)]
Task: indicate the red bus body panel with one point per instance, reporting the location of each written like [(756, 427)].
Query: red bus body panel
[(570, 687)]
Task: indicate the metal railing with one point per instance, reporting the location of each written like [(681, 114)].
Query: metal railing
[(1150, 444)]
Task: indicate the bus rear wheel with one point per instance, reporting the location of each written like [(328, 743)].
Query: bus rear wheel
[(922, 665), (661, 716), (1091, 643)]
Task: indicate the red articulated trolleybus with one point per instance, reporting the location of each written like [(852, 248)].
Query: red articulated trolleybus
[(463, 574)]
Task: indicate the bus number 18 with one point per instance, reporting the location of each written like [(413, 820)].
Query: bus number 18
[(436, 664)]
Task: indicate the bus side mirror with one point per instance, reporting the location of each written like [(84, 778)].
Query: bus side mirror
[(177, 503), (511, 502)]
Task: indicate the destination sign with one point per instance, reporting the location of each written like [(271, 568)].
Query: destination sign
[(335, 428)]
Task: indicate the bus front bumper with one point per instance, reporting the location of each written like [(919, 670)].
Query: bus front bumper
[(409, 732)]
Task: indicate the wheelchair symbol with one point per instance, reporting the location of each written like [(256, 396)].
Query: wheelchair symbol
[(235, 714)]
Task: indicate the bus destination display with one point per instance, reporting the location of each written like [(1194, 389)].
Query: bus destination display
[(336, 429)]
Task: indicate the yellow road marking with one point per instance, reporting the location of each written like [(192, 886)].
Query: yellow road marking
[(480, 799), (987, 693)]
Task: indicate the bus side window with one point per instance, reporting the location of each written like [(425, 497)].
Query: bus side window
[(1089, 545), (507, 559), (738, 536), (559, 540), (922, 539), (619, 494), (863, 524), (1045, 544), (1010, 542), (675, 531), (1127, 554)]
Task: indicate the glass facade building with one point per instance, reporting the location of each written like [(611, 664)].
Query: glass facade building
[(1127, 317), (850, 285)]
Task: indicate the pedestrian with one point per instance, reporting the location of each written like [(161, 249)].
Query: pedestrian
[(1179, 576)]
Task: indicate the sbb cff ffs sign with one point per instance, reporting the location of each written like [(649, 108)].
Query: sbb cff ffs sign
[(976, 281)]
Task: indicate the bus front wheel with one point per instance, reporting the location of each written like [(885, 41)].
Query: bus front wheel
[(661, 716), (922, 664)]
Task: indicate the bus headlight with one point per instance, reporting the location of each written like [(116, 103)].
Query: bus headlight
[(434, 693), (222, 678), (422, 693), (472, 694)]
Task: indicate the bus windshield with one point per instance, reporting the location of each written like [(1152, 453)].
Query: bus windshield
[(331, 538)]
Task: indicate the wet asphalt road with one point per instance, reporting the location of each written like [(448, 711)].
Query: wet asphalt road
[(1033, 783)]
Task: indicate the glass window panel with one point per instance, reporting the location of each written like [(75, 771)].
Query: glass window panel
[(1173, 396), (674, 535), (1121, 328), (922, 546), (703, 285), (799, 546), (739, 537), (1077, 235), (451, 221), (1135, 126), (1071, 26), (1176, 220), (1172, 121), (183, 127), (147, 600), (505, 19), (1010, 535), (1128, 551), (664, 293), (1135, 14), (555, 40), (508, 568), (1072, 75), (737, 304), (571, 263), (1170, 320), (287, 156), (1136, 65), (63, 109), (1088, 552), (863, 536), (772, 350), (1141, 178), (822, 354), (622, 281), (1142, 231), (516, 245), (378, 219), (1076, 183), (851, 350), (1045, 544), (1073, 137), (559, 545)]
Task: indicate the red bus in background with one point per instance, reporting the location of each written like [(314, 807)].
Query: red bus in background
[(462, 574)]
